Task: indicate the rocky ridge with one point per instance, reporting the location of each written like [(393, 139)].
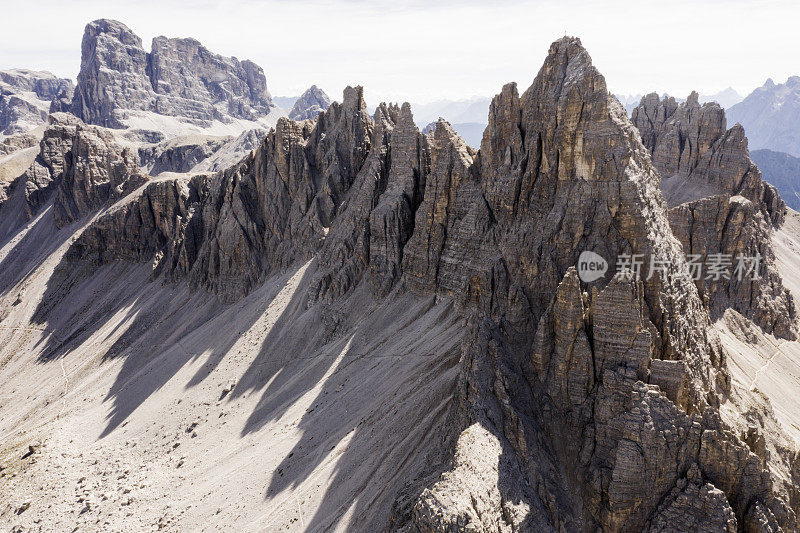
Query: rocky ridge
[(79, 169), (26, 96), (179, 78), (568, 391), (719, 204)]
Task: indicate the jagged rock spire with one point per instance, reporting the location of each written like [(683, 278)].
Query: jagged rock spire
[(579, 405), (719, 204)]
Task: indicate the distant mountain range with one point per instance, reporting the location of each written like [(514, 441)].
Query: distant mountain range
[(771, 116), (468, 117), (725, 98), (781, 170)]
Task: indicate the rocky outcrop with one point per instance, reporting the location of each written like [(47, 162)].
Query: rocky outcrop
[(310, 104), (79, 168), (720, 207), (181, 154), (196, 84), (179, 78), (694, 506), (698, 157), (580, 405), (233, 151), (113, 75), (157, 224), (269, 210), (25, 98)]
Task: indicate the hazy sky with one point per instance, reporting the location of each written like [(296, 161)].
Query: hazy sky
[(423, 51)]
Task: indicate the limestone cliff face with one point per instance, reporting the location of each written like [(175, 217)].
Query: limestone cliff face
[(179, 77), (25, 98), (193, 82), (79, 169), (271, 209), (579, 406), (719, 204), (113, 74)]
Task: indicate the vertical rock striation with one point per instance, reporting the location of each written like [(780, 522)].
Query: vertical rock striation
[(579, 405), (179, 77), (720, 206)]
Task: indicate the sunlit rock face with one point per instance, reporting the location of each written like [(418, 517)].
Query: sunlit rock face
[(179, 77), (398, 275), (720, 207)]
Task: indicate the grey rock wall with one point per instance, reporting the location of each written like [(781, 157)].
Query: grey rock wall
[(179, 78)]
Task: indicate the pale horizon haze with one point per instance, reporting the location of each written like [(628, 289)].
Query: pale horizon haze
[(422, 52)]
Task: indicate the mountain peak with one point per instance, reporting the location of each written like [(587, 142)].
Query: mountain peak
[(567, 51), (389, 282), (112, 28), (178, 78), (769, 116), (310, 104)]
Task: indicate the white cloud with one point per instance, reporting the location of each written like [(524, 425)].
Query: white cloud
[(421, 51)]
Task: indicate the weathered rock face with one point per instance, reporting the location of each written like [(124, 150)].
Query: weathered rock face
[(272, 208), (25, 98), (310, 104), (233, 151), (580, 405), (178, 78), (194, 83), (698, 157), (153, 225), (181, 154), (113, 74), (720, 206), (80, 168), (561, 171)]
